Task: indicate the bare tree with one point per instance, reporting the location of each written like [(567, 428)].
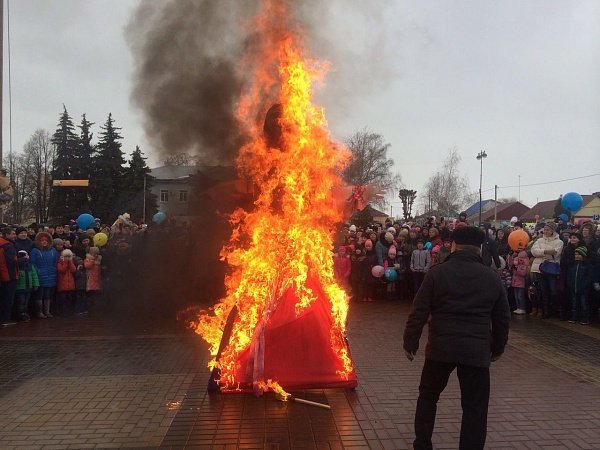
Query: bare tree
[(38, 153), (181, 159), (508, 200), (447, 191), (22, 206), (369, 163)]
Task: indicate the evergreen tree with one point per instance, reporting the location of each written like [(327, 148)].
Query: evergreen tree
[(83, 168), (107, 181), (64, 201), (139, 188)]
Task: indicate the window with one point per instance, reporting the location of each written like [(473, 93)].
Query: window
[(182, 196), (164, 196)]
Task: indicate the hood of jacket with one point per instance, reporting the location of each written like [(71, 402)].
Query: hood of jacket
[(38, 244)]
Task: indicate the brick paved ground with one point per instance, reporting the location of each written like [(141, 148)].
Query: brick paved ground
[(111, 381)]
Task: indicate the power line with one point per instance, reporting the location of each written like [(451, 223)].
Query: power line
[(551, 182)]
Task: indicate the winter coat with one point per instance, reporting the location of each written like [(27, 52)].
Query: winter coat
[(79, 275), (93, 272), (23, 244), (66, 280), (489, 251), (45, 262), (342, 267), (579, 276), (28, 279), (469, 312), (420, 260), (381, 249), (9, 269), (369, 263), (542, 244), (519, 274)]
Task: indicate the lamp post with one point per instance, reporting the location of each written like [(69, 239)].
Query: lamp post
[(482, 154), (407, 196)]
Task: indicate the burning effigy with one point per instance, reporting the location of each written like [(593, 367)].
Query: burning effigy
[(282, 323)]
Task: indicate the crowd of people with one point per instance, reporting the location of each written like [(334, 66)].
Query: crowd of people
[(556, 272), (64, 270)]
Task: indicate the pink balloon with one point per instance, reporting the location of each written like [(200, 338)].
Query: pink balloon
[(537, 217), (377, 271)]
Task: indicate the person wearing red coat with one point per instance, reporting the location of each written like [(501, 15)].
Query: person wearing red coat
[(93, 271), (66, 283), (342, 267)]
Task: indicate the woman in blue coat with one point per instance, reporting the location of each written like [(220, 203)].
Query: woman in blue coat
[(44, 258)]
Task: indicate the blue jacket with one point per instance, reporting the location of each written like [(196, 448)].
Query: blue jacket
[(45, 262)]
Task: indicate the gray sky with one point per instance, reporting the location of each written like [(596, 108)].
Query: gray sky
[(518, 79)]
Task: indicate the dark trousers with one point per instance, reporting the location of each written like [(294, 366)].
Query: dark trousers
[(7, 296), (474, 392), (417, 281)]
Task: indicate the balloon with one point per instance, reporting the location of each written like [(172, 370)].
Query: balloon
[(377, 271), (159, 217), (100, 239), (517, 240), (427, 245), (572, 201), (391, 274), (537, 217), (86, 221)]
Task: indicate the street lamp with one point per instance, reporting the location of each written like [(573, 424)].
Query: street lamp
[(407, 196), (482, 154)]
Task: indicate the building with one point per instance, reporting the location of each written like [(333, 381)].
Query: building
[(172, 189)]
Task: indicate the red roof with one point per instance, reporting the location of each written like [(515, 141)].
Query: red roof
[(505, 211)]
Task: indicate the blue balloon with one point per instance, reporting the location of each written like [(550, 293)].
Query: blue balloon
[(85, 221), (391, 274), (572, 201), (427, 245), (159, 217)]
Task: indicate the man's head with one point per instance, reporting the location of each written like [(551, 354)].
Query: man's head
[(59, 229), (9, 233), (467, 238)]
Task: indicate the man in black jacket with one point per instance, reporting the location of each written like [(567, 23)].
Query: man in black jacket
[(469, 318)]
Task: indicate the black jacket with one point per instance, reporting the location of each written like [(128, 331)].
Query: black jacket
[(469, 312)]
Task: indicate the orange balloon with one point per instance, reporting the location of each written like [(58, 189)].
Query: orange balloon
[(518, 240)]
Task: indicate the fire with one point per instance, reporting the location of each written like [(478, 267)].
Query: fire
[(285, 242)]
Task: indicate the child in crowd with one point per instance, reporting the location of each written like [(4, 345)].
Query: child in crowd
[(66, 283), (342, 268), (26, 284), (519, 283), (419, 264), (80, 295), (59, 245), (390, 262), (93, 273), (579, 284)]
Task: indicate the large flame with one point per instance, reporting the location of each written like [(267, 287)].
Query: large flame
[(286, 238)]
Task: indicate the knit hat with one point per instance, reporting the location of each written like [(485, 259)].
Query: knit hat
[(551, 225), (468, 235), (368, 243), (582, 251), (577, 234), (392, 251), (94, 250), (389, 237), (20, 230), (391, 230), (67, 253), (58, 241), (353, 228), (563, 217)]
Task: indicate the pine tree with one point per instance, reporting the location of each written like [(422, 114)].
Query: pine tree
[(83, 168), (139, 188), (108, 181), (65, 201)]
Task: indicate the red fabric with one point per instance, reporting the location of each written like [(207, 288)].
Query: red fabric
[(298, 353), (66, 280)]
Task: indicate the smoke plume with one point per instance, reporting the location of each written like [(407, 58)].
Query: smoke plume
[(188, 53)]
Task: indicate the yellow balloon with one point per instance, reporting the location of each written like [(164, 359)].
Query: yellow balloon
[(100, 239)]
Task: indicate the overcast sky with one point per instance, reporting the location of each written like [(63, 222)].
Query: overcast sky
[(519, 79)]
